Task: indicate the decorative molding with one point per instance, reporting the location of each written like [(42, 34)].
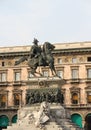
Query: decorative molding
[(17, 83), (88, 88), (75, 89)]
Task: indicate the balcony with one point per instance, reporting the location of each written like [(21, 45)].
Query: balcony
[(3, 83), (17, 83), (88, 80), (74, 80), (9, 108), (14, 107)]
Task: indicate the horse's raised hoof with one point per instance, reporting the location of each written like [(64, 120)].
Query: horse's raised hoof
[(59, 76), (41, 75), (16, 62)]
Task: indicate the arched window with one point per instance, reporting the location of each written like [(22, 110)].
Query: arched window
[(77, 119), (89, 97), (87, 124), (4, 121), (14, 119), (3, 100), (75, 98), (16, 99)]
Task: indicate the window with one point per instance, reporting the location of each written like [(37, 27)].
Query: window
[(3, 76), (16, 99), (3, 63), (74, 98), (30, 75), (45, 73), (74, 60), (3, 100), (89, 73), (59, 61), (60, 73), (17, 76), (89, 59), (74, 73), (89, 97)]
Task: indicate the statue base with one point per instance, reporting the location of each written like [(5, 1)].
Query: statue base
[(59, 119), (40, 113), (44, 89)]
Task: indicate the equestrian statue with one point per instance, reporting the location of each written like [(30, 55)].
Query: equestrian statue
[(39, 57)]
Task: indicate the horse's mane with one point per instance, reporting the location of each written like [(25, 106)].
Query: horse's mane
[(46, 46)]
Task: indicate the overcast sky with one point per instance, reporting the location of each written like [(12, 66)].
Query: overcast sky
[(56, 21)]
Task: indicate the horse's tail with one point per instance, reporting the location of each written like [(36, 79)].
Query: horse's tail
[(21, 60)]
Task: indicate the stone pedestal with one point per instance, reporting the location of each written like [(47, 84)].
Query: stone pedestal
[(59, 119), (45, 82), (44, 88), (53, 118)]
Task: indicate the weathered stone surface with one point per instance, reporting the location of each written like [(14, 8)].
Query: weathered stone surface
[(53, 118)]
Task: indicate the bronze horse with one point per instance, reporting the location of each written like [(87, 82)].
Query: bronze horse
[(47, 59)]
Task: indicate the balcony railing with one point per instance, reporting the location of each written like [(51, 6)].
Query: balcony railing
[(74, 80), (88, 80), (4, 83), (17, 83), (78, 106), (10, 107)]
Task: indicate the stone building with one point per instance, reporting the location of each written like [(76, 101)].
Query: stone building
[(72, 63)]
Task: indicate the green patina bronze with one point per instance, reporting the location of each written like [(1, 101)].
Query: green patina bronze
[(39, 57)]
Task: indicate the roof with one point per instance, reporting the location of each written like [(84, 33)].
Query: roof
[(73, 45), (58, 46)]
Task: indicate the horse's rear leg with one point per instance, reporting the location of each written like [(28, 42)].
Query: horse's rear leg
[(53, 69)]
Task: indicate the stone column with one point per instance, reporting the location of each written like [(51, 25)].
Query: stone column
[(82, 96), (67, 97), (10, 98), (23, 98)]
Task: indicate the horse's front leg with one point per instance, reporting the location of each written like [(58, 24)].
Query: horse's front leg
[(53, 71), (39, 73), (34, 72)]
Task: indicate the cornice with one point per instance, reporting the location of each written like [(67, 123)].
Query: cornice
[(13, 54), (56, 51), (75, 50)]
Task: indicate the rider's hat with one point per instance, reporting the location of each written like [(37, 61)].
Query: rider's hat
[(35, 41)]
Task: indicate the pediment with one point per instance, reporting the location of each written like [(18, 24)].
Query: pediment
[(88, 87), (3, 91), (17, 90), (74, 89)]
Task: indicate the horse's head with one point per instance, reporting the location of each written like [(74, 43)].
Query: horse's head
[(48, 46)]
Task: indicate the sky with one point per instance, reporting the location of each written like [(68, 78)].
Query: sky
[(56, 21)]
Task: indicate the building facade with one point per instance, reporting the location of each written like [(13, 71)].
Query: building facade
[(72, 63)]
